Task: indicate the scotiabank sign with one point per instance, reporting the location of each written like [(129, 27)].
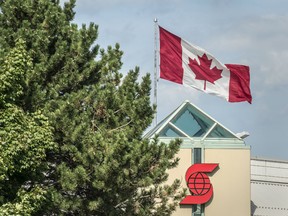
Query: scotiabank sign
[(199, 183)]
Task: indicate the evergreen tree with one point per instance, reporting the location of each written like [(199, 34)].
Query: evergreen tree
[(25, 139), (100, 164)]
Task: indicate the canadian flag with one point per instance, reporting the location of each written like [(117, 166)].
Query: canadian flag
[(189, 65)]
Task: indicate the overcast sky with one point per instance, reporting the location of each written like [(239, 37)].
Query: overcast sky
[(250, 32)]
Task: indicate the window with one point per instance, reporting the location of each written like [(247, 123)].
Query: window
[(192, 124), (198, 210), (220, 132), (197, 155)]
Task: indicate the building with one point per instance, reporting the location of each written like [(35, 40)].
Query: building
[(269, 187), (215, 165)]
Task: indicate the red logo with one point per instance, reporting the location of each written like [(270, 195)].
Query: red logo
[(199, 184)]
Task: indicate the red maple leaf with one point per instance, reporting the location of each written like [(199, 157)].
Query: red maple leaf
[(203, 71)]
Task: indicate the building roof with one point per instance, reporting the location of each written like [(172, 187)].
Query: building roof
[(193, 125)]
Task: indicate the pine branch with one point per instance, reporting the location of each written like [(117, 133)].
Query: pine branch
[(120, 127)]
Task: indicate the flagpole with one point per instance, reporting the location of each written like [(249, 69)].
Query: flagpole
[(155, 68)]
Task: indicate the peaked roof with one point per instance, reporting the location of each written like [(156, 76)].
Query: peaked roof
[(190, 122)]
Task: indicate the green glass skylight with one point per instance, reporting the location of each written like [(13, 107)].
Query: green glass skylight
[(220, 132), (191, 122), (170, 132)]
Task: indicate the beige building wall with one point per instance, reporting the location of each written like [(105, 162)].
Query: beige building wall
[(231, 182), (185, 156)]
